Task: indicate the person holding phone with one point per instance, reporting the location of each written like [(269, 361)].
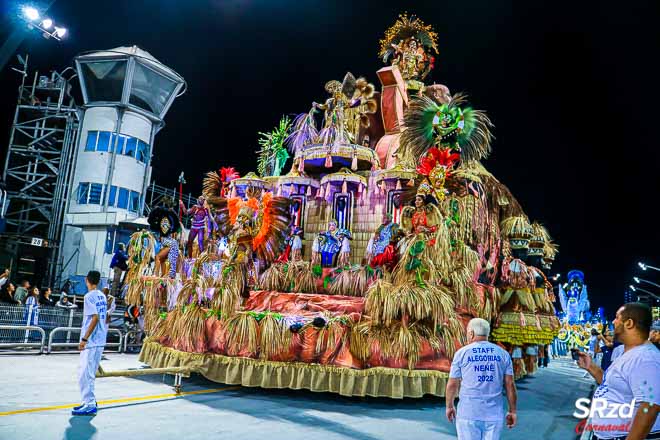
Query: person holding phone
[(631, 378)]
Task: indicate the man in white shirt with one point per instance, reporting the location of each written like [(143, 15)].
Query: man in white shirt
[(633, 378), (481, 369), (93, 334)]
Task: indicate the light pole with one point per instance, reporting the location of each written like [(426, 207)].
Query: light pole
[(32, 18), (638, 280), (635, 289), (646, 266)]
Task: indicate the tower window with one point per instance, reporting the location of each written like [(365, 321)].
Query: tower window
[(92, 136)]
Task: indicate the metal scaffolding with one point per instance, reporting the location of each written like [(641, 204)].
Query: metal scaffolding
[(39, 162)]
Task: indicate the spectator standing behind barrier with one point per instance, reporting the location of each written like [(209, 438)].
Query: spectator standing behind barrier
[(594, 347), (22, 291), (45, 299), (480, 369), (654, 336), (632, 377), (4, 277), (31, 314), (118, 266), (7, 293), (65, 303), (93, 334)]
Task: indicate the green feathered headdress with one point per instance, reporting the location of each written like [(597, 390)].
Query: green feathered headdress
[(447, 125)]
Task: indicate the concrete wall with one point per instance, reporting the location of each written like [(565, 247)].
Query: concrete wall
[(92, 166)]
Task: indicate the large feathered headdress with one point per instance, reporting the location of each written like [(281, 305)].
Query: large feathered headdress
[(269, 217), (215, 183), (405, 28), (446, 126), (164, 221)]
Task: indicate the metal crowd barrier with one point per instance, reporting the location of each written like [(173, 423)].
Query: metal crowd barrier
[(23, 330), (130, 336), (69, 330), (30, 327), (46, 317)]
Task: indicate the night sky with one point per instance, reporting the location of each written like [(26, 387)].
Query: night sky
[(572, 88)]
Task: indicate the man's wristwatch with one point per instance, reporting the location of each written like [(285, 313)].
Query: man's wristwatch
[(84, 339)]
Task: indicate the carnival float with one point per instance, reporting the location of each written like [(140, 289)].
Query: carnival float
[(356, 269)]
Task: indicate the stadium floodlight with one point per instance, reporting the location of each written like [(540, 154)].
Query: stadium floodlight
[(642, 280), (635, 289), (47, 23), (647, 266), (60, 31), (632, 288), (31, 13)]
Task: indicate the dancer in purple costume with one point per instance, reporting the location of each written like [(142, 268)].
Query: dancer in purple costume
[(201, 223)]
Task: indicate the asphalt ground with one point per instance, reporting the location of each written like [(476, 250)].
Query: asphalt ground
[(38, 392)]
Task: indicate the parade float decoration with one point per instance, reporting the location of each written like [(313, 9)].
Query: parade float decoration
[(574, 299), (357, 271)]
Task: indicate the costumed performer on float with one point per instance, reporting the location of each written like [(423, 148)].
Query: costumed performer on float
[(293, 250), (344, 237), (381, 250), (201, 218), (326, 246), (165, 222)]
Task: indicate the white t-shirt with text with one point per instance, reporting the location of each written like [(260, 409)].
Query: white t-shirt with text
[(633, 375), (95, 304), (481, 366)]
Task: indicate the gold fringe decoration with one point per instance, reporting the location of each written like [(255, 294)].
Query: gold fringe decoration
[(376, 382)]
